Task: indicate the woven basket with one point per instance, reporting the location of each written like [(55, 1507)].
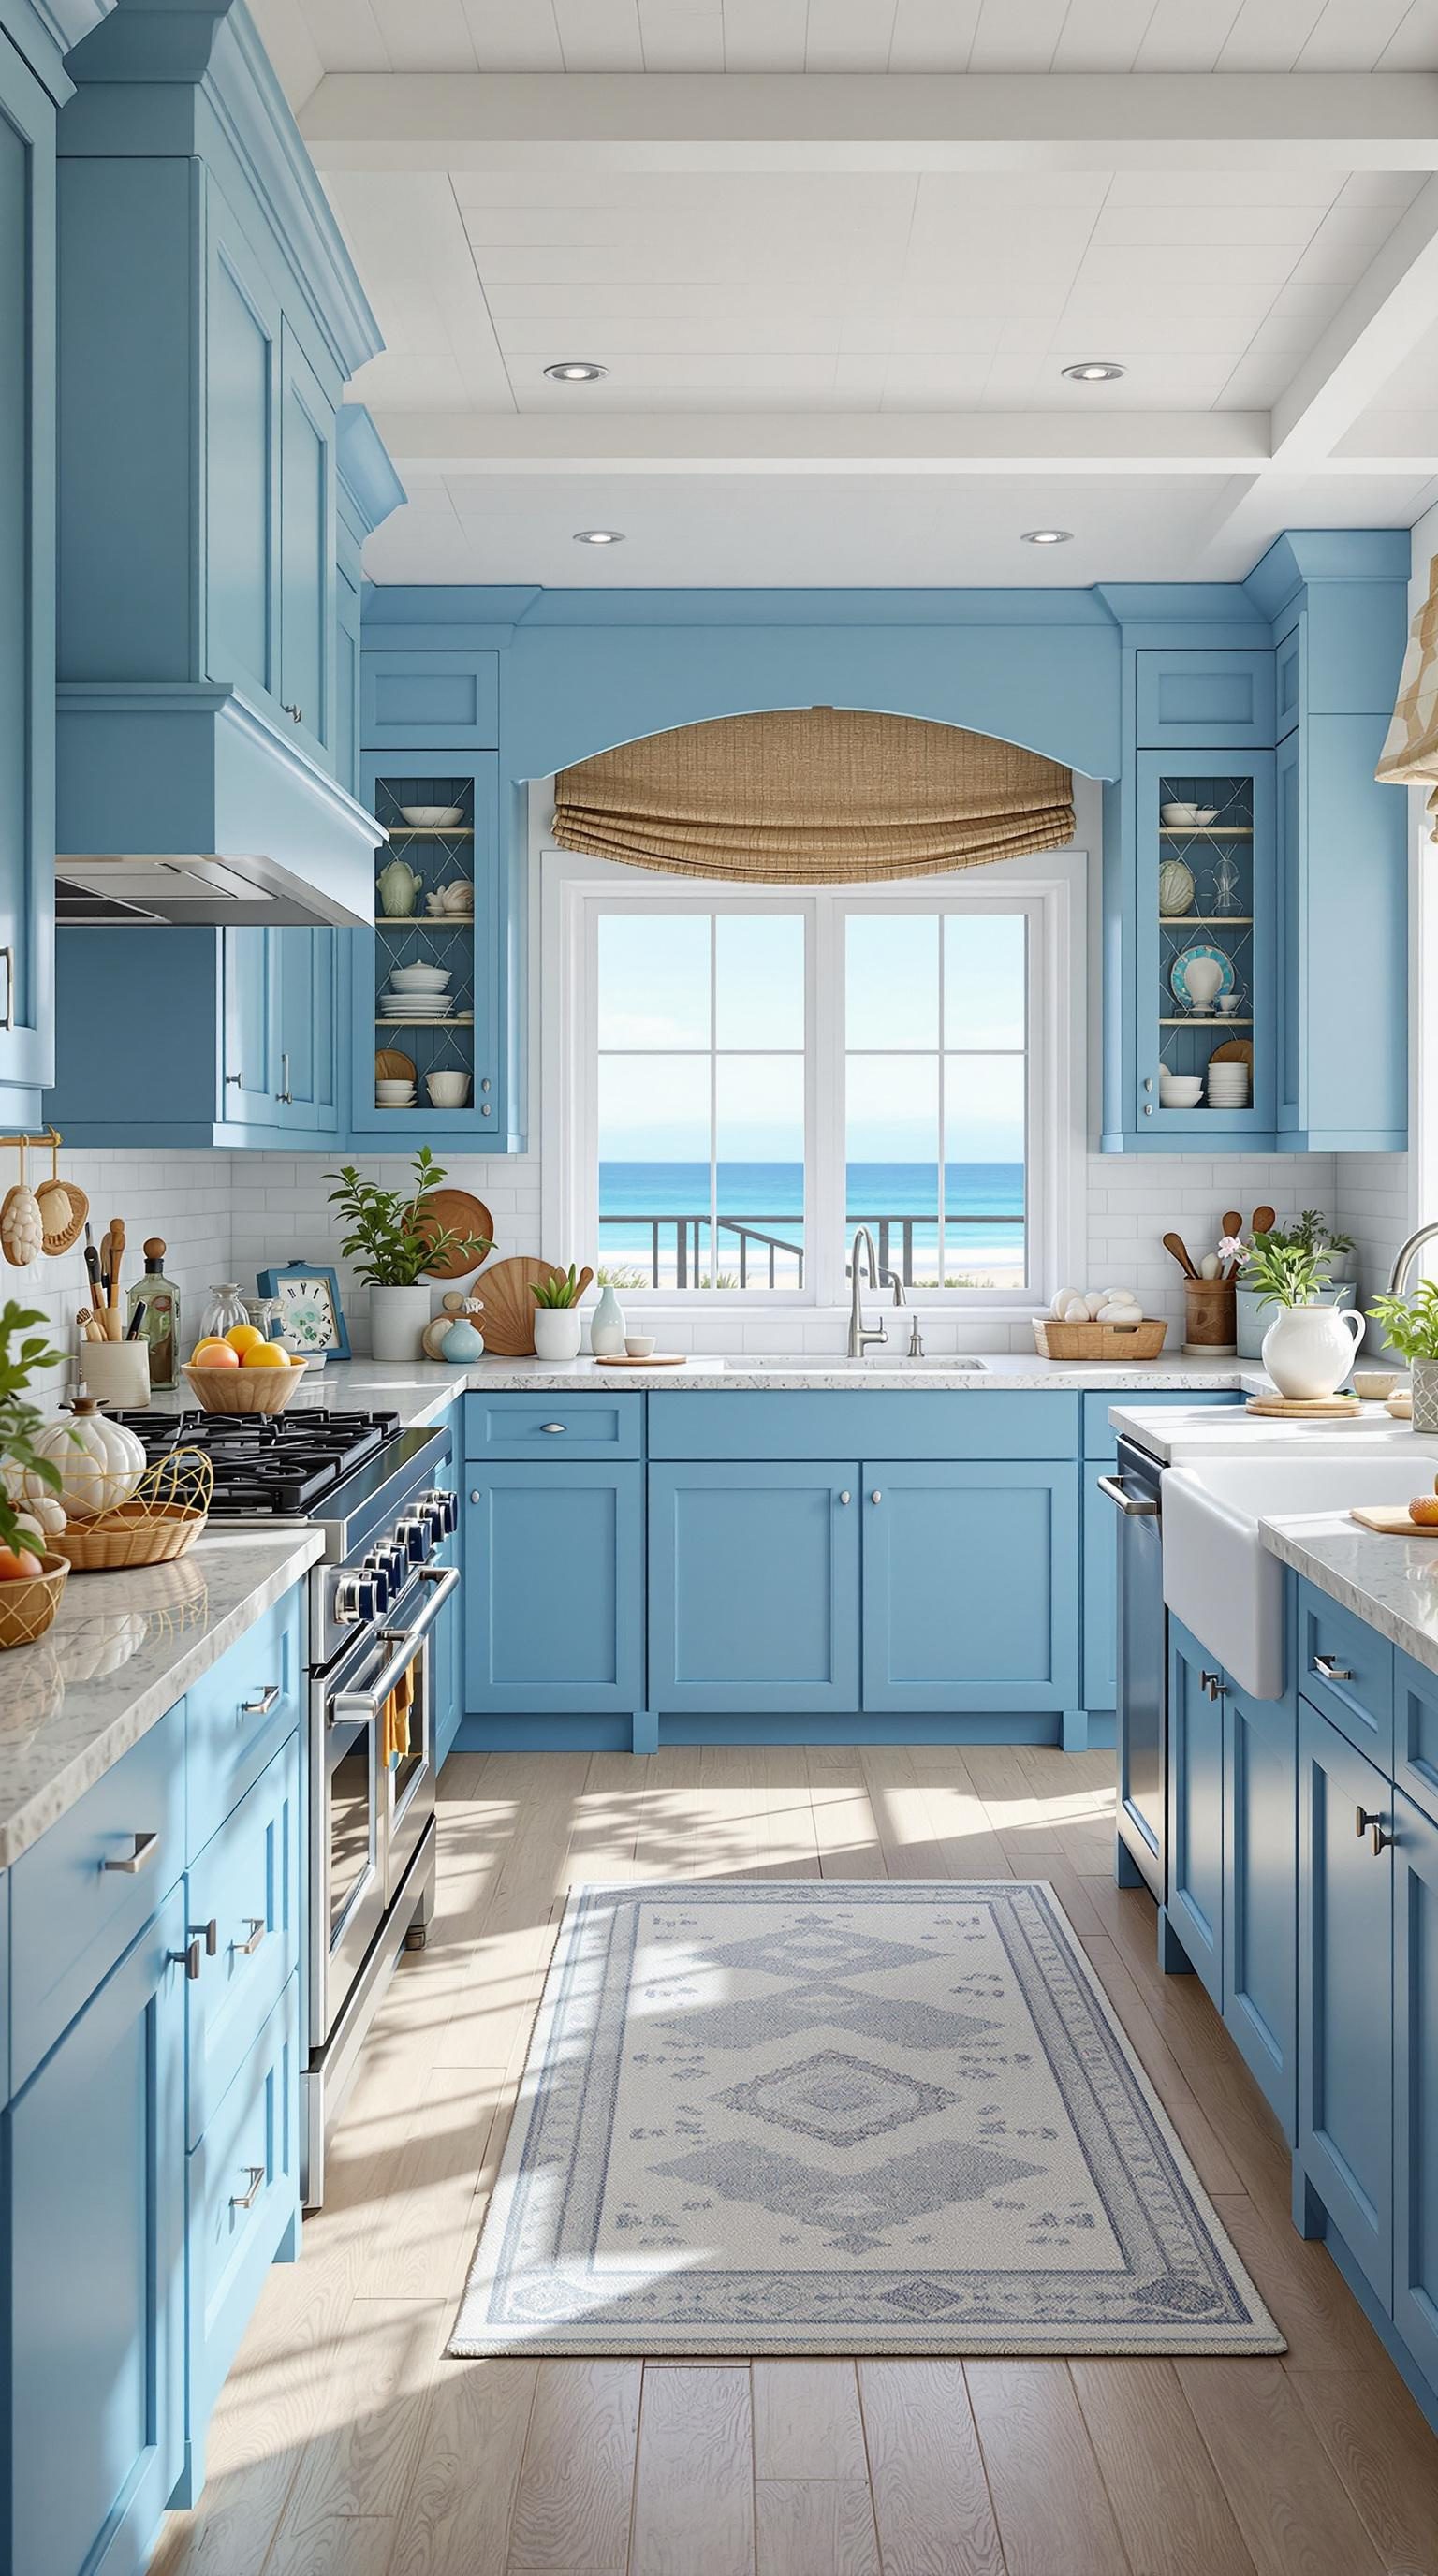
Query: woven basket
[(164, 1516), (28, 1608), (243, 1390), (1141, 1341)]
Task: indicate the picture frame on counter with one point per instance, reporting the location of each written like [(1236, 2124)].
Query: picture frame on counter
[(312, 1321)]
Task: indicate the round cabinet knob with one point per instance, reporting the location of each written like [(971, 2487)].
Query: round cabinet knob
[(845, 1496), (475, 1495), (1148, 1109), (876, 1496)]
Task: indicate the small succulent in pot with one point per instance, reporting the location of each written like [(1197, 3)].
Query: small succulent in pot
[(556, 1315), (561, 1290)]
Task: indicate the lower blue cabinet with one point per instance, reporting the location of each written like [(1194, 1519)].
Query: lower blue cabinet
[(754, 1586), (1345, 1969), (554, 1564), (1415, 2090), (1260, 1927), (970, 1586), (1195, 1805), (95, 2382)]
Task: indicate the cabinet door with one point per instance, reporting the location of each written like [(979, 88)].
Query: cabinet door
[(302, 1017), (1204, 899), (307, 550), (1345, 1994), (27, 576), (554, 1590), (1195, 1804), (1187, 698), (459, 859), (1288, 888), (1415, 2087), (248, 1049), (970, 1586), (347, 679), (754, 1587), (430, 701), (97, 2272), (242, 370), (1260, 1894)]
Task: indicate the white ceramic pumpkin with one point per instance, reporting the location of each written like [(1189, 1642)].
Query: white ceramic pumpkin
[(100, 1462)]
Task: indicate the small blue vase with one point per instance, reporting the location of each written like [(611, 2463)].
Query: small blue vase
[(606, 1327), (462, 1341)]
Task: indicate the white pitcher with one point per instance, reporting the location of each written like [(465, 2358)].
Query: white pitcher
[(1309, 1350)]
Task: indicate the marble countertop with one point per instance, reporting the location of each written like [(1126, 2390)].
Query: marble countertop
[(1180, 1435), (1391, 1583), (123, 1649)]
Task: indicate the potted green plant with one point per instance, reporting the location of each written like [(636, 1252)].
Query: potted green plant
[(1310, 1233), (1308, 1347), (28, 1601), (556, 1316), (1411, 1326), (393, 1241)]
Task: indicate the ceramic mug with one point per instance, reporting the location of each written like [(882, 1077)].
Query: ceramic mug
[(447, 1090)]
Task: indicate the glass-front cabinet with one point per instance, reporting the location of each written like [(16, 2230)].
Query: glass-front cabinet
[(1205, 1012), (427, 1051)]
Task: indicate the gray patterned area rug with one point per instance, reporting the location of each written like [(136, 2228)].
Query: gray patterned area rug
[(807, 2116)]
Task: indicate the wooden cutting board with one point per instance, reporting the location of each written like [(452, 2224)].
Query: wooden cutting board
[(508, 1306), (654, 1359), (458, 1213), (1294, 1408), (1390, 1520)]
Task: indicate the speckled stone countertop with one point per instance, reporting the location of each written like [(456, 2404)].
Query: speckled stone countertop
[(1180, 1435), (1391, 1583), (123, 1649)]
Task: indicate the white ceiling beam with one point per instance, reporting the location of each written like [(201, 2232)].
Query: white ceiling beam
[(1392, 307), (1039, 443), (946, 121)]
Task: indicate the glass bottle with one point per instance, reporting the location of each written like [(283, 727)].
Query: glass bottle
[(225, 1309), (160, 1300)]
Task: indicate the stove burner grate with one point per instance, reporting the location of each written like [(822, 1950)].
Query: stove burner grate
[(281, 1464)]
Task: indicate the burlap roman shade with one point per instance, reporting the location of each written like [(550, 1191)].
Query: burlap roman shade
[(1410, 754), (814, 796)]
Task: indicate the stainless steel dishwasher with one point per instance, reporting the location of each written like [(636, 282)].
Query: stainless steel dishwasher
[(1135, 1490)]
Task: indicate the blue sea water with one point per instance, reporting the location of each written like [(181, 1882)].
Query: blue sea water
[(773, 1194)]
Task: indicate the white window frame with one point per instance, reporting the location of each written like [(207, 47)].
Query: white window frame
[(1051, 891)]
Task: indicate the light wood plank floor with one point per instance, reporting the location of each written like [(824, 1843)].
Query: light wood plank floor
[(346, 2442)]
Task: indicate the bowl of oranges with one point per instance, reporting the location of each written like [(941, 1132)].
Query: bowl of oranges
[(31, 1582), (240, 1372)]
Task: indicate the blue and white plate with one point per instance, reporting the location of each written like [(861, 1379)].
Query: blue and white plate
[(1178, 973)]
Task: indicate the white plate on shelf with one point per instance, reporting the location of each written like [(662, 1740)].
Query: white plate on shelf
[(1178, 972), (419, 1006)]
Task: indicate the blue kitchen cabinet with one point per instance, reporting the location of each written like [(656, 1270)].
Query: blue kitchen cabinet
[(1194, 1911), (554, 1588), (95, 2378), (1415, 2091), (1260, 1872), (1345, 1986), (430, 701), (1188, 698), (367, 490), (468, 1038), (970, 1591), (754, 1587), (306, 551), (1205, 892), (27, 588)]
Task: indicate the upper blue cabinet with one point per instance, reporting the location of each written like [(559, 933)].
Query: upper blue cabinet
[(209, 317)]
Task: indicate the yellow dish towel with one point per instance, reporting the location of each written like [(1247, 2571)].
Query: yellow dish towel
[(394, 1729)]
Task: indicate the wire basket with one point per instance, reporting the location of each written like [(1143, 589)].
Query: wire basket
[(28, 1606), (164, 1516)]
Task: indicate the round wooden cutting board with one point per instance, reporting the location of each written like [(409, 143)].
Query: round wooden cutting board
[(460, 1214), (508, 1320)]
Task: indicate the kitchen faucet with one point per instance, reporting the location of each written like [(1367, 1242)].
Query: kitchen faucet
[(916, 1338), (859, 1336), (1404, 1261)]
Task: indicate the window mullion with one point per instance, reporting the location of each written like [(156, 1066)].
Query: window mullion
[(713, 1104)]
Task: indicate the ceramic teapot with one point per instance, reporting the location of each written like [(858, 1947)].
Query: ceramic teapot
[(1308, 1350), (399, 888)]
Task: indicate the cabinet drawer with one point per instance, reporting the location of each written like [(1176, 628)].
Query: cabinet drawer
[(239, 1714), (249, 2155), (245, 1883), (1346, 1669), (1190, 699), (1100, 1439), (552, 1426), (1415, 1731), (941, 1424), (81, 1893), (434, 701)]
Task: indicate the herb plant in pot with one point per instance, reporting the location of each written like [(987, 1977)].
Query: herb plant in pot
[(1410, 1325), (1309, 1347), (32, 1574), (393, 1242), (1335, 1285), (556, 1317)]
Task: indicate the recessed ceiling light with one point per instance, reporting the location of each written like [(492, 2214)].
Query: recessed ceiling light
[(575, 371), (1047, 537), (1094, 371), (599, 536)]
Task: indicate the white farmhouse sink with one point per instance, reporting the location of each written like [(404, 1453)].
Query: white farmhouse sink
[(1219, 1578)]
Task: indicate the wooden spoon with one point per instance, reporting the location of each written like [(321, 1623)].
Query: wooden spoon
[(1232, 1221), (1264, 1220), (1175, 1244)]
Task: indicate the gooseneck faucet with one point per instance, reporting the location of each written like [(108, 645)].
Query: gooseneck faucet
[(916, 1338), (1406, 1255), (860, 1337)]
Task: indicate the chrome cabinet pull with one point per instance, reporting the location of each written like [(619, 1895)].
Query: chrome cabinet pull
[(258, 1929), (284, 1095), (844, 1496), (1135, 1507), (1213, 1683), (234, 1082), (247, 2199), (146, 1846), (1380, 1840), (553, 1426), (262, 1706), (1328, 1671), (297, 714), (209, 1933), (190, 1958), (8, 954)]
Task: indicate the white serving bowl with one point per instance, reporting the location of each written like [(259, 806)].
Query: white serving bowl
[(419, 979), (1182, 817), (433, 818), (447, 1090)]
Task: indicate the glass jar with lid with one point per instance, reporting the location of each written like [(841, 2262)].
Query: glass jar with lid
[(225, 1309)]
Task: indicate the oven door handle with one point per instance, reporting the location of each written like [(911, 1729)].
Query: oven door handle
[(366, 1705), (1135, 1507)]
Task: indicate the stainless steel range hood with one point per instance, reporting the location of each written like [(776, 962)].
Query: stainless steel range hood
[(178, 801)]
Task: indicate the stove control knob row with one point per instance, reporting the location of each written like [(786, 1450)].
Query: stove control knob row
[(443, 1509), (357, 1596), (415, 1537), (376, 1572), (393, 1564)]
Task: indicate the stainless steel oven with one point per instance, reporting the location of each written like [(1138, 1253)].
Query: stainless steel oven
[(1136, 1489)]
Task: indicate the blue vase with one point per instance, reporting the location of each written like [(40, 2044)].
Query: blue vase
[(606, 1327), (463, 1341)]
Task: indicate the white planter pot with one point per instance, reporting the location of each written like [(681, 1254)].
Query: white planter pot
[(556, 1332), (1309, 1350), (397, 1318), (1425, 1395)]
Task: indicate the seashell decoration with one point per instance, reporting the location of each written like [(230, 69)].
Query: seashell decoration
[(1175, 888)]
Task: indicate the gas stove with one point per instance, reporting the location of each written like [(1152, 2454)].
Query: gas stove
[(269, 1465)]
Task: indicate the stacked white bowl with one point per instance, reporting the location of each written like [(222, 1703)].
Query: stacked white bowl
[(1229, 1086), (1179, 1090)]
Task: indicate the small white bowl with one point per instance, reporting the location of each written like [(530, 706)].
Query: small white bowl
[(419, 979), (1184, 817), (433, 818), (447, 1090), (639, 1345)]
